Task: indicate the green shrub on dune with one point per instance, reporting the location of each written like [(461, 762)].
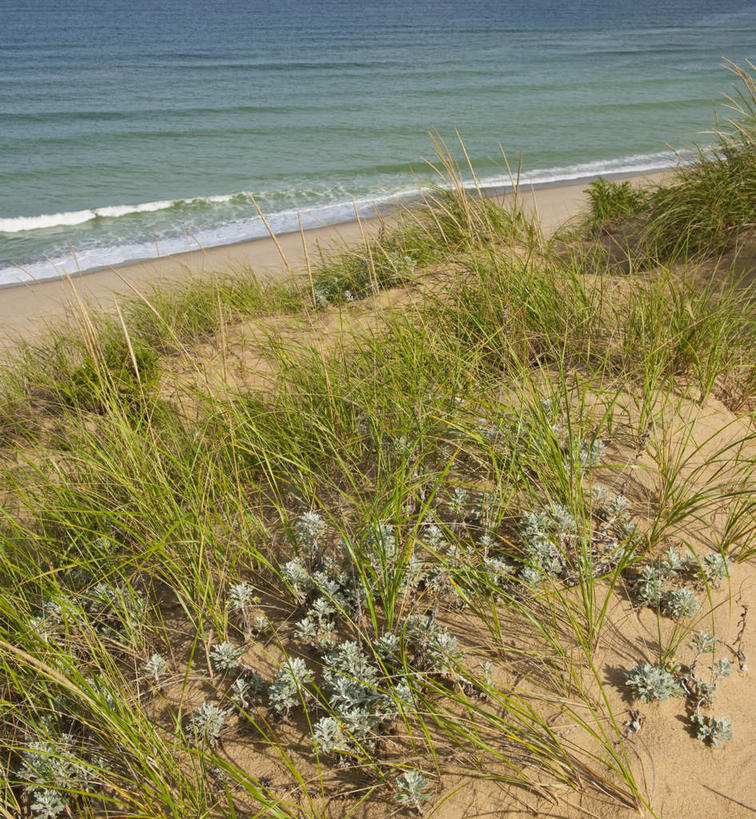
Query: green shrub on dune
[(710, 201)]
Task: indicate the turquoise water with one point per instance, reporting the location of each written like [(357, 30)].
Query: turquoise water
[(139, 123)]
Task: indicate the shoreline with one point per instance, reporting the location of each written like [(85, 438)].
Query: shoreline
[(27, 306), (156, 238), (491, 191)]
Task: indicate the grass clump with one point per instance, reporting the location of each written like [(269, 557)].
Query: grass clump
[(354, 276), (119, 373), (714, 198), (611, 200), (707, 206), (167, 319)]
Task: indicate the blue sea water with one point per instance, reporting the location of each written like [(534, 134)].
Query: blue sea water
[(136, 124)]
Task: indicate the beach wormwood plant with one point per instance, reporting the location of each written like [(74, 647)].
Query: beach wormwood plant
[(225, 657), (650, 586), (652, 682), (411, 785), (329, 736), (48, 769), (207, 723), (653, 585), (48, 803), (352, 684), (298, 577), (308, 530), (156, 667), (284, 692), (591, 453), (248, 687), (712, 730), (704, 643), (240, 595), (715, 567), (540, 534), (679, 603)]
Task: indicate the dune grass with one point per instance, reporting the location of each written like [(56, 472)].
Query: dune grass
[(392, 572), (709, 204)]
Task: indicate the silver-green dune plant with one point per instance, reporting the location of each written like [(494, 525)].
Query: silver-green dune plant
[(156, 667), (51, 773), (318, 627), (288, 687), (659, 585), (555, 544), (115, 612), (412, 785), (363, 695), (207, 723), (653, 682), (702, 691), (248, 688), (712, 730), (308, 530), (716, 566), (657, 682), (241, 599), (353, 688), (679, 603), (226, 657)]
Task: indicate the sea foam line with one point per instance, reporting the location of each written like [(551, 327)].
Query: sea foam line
[(287, 220), (638, 163), (18, 224)]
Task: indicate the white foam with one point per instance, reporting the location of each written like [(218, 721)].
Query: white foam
[(640, 163), (114, 211), (45, 220), (20, 224)]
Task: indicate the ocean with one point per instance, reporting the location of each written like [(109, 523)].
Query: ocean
[(137, 127)]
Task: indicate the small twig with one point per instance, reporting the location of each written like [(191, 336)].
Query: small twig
[(725, 796), (737, 647), (307, 262)]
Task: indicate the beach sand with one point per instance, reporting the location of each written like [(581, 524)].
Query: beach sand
[(27, 308)]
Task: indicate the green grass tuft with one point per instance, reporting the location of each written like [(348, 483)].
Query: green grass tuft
[(611, 200)]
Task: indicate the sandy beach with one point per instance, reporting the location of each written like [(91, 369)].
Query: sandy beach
[(26, 308)]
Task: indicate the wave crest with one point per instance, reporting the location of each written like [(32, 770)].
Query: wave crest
[(45, 221)]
